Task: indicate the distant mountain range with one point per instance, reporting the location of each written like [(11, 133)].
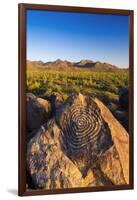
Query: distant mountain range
[(83, 64)]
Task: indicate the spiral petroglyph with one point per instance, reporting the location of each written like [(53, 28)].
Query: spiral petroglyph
[(82, 123), (83, 126)]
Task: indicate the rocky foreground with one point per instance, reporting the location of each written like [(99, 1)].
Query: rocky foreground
[(76, 143)]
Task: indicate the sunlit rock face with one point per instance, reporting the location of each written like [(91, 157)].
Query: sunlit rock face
[(83, 145)]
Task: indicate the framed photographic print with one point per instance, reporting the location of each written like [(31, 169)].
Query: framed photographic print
[(75, 99)]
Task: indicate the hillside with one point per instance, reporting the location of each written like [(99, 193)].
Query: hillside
[(83, 64)]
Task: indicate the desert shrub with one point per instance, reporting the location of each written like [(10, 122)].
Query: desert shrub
[(104, 85), (34, 85), (48, 92)]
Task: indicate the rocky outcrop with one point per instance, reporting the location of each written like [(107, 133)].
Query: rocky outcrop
[(56, 100), (48, 165), (124, 98), (83, 145), (38, 112), (120, 109), (120, 139)]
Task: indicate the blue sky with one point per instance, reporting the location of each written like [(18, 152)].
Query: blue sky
[(74, 36)]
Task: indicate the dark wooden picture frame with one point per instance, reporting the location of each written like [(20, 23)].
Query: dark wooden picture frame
[(22, 191)]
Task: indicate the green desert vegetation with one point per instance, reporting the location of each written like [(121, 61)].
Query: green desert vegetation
[(104, 85)]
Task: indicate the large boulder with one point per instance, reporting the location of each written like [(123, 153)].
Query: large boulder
[(123, 117), (121, 144), (83, 145), (56, 101), (124, 98), (48, 166), (38, 111)]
